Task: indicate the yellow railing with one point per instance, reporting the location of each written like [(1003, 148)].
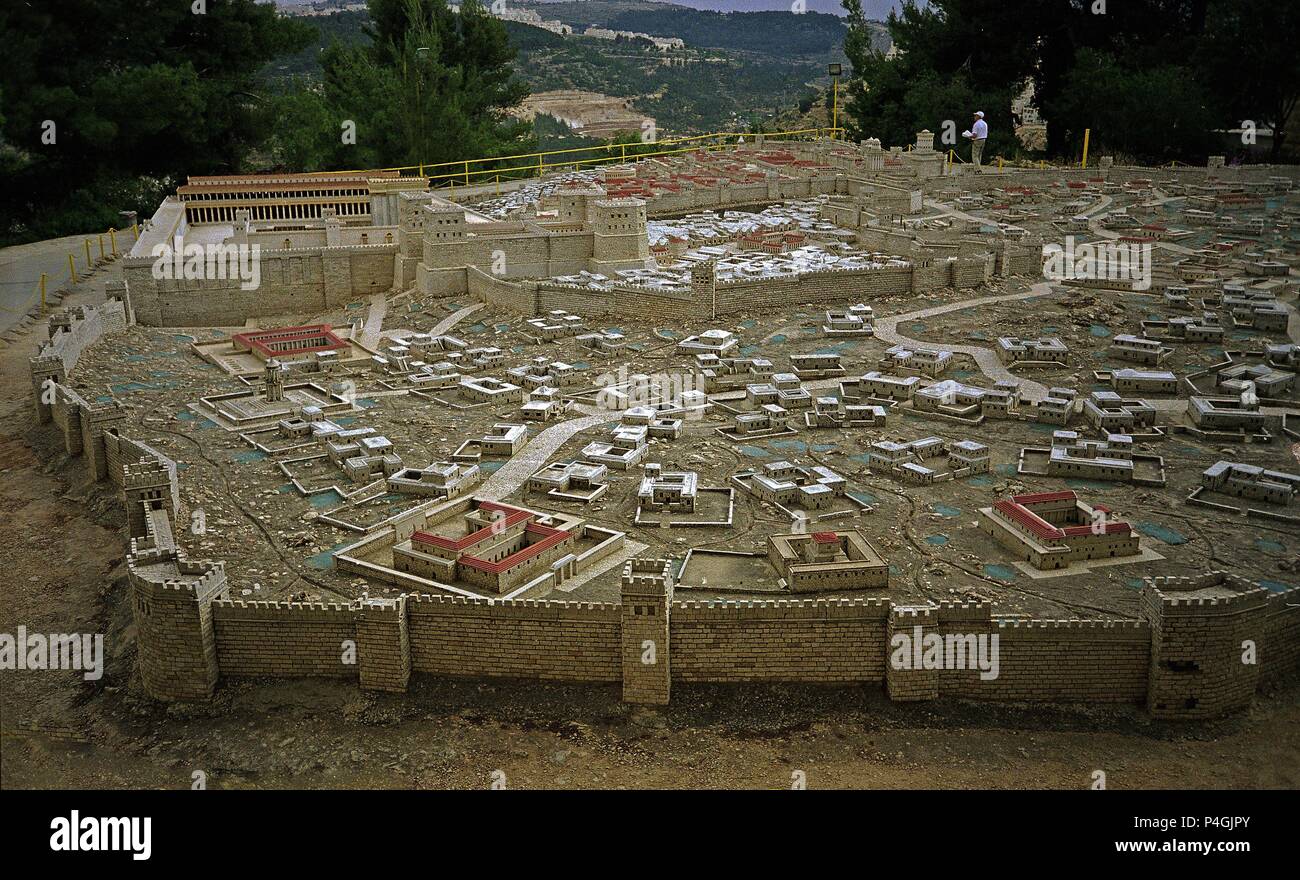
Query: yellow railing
[(466, 172)]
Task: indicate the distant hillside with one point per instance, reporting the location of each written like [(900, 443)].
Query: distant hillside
[(737, 71), (874, 9), (772, 33)]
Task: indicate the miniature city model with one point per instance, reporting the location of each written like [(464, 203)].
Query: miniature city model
[(763, 405)]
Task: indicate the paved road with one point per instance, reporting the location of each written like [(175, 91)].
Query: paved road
[(21, 267), (886, 331), (539, 450)]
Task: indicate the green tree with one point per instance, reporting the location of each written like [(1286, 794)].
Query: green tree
[(1250, 63), (108, 103), (429, 86)]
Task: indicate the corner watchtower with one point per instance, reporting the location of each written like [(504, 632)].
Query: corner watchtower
[(647, 592)]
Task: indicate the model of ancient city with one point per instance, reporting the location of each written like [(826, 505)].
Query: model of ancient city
[(740, 414)]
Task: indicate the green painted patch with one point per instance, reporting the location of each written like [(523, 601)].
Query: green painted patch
[(1163, 533), (325, 500)]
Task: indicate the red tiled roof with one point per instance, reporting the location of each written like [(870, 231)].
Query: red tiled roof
[(550, 538), (825, 537), (1041, 497), (459, 545)]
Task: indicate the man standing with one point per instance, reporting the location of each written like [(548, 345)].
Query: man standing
[(978, 133)]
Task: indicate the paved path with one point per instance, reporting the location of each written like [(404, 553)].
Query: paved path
[(21, 267), (515, 472), (986, 358), (373, 331)]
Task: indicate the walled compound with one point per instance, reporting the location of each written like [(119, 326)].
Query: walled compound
[(418, 446)]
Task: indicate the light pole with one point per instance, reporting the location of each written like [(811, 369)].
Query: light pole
[(835, 70)]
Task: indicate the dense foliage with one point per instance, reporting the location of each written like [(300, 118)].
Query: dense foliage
[(1154, 80)]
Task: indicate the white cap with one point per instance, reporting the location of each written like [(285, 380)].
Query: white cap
[(979, 113)]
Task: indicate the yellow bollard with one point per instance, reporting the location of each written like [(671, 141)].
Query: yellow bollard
[(1087, 132), (86, 243), (135, 227), (43, 277), (112, 238), (999, 163), (72, 268), (101, 245)]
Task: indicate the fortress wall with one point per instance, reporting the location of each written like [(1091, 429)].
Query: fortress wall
[(516, 296), (291, 282), (283, 639), (564, 641), (1280, 654), (1079, 661), (822, 641)]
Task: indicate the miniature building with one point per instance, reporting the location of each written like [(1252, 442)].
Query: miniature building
[(1228, 414), (768, 419), (504, 549), (674, 491), (1253, 482), (1139, 349), (1047, 350), (1144, 381), (710, 341), (1109, 459), (784, 483), (571, 481), (280, 342), (828, 560), (904, 361), (830, 412), (952, 398), (1264, 379), (488, 390), (627, 446), (877, 384), (816, 366), (1051, 530), (911, 461), (442, 479), (1107, 411), (854, 321)]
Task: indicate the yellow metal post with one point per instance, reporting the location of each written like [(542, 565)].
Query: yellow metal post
[(72, 268), (467, 172), (1086, 133), (135, 227), (86, 242), (498, 182), (999, 163), (43, 277), (112, 239), (101, 245), (835, 106)]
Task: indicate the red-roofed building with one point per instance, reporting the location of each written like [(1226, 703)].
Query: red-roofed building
[(504, 547), (1051, 530), (284, 342)]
